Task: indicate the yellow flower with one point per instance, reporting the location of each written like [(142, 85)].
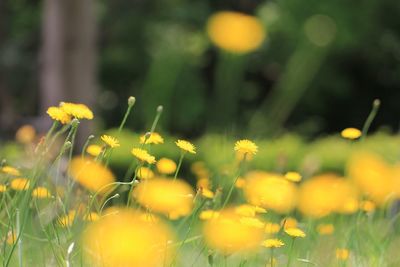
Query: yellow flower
[(367, 206), (143, 155), (41, 192), (91, 217), (235, 32), (240, 182), (207, 193), (186, 146), (246, 147), (252, 222), (110, 141), (10, 170), (270, 191), (208, 214), (19, 184), (272, 243), (123, 238), (342, 254), (166, 196), (11, 237), (271, 228), (248, 210), (351, 133), (59, 114), (25, 134), (3, 188), (166, 166), (153, 138), (289, 222), (94, 150), (68, 219), (91, 174), (293, 176), (145, 173), (79, 111), (227, 234), (295, 232), (325, 229)]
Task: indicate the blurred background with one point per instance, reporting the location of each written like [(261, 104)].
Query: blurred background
[(310, 68)]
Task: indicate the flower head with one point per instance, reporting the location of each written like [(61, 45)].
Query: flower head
[(25, 134), (94, 150), (325, 229), (342, 254), (20, 184), (110, 141), (293, 176), (166, 166), (79, 111), (246, 147), (208, 214), (145, 173), (207, 193), (271, 228), (143, 155), (186, 146), (41, 192), (272, 243), (58, 114), (351, 133), (295, 232), (151, 138), (67, 219), (10, 171), (3, 188)]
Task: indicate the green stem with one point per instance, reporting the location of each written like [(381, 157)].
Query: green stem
[(234, 182), (375, 107), (131, 103), (290, 252), (18, 233), (90, 137), (128, 203), (179, 165), (272, 257)]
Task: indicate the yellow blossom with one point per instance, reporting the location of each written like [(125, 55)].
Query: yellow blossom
[(295, 232), (152, 138), (68, 219), (351, 133), (342, 254), (79, 111), (143, 155), (94, 150), (208, 214), (25, 134), (91, 217), (41, 192), (248, 210), (59, 114), (166, 166), (145, 173), (3, 188), (367, 206), (289, 222), (240, 182), (293, 176), (246, 147), (272, 243), (271, 228), (252, 222), (11, 237), (186, 146), (10, 170), (110, 141), (19, 184), (207, 193), (325, 229)]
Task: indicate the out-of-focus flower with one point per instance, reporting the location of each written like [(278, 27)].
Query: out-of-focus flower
[(145, 173), (235, 32), (247, 210), (67, 219), (342, 254), (110, 141), (252, 222), (59, 114), (367, 206), (41, 192), (10, 171), (94, 150), (295, 232), (207, 193), (143, 155), (293, 176), (79, 111), (325, 229), (20, 184), (289, 222), (25, 134), (11, 237), (173, 198), (152, 138), (166, 166), (271, 228), (246, 147), (91, 174), (208, 214), (123, 238), (91, 217), (186, 146), (227, 234), (240, 182), (3, 188), (351, 133), (272, 243), (270, 191)]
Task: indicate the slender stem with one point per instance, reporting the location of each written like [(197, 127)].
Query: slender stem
[(128, 203), (19, 236), (179, 165), (155, 122), (128, 110), (234, 182), (90, 137), (272, 257), (375, 107), (290, 252)]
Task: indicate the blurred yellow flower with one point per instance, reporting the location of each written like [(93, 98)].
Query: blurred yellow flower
[(208, 214), (235, 32), (145, 173), (91, 174), (68, 219), (207, 193), (94, 150), (367, 206), (91, 217), (79, 111), (152, 138), (272, 243), (271, 228), (325, 229), (289, 222), (110, 141), (174, 198), (186, 146), (124, 239), (246, 147), (293, 176), (20, 184), (227, 234), (10, 170), (295, 232), (3, 188), (252, 222), (342, 254), (25, 134), (351, 133), (248, 210), (11, 237), (270, 191), (240, 182), (166, 166), (143, 155), (41, 192), (59, 114)]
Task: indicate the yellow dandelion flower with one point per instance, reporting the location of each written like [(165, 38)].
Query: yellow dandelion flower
[(174, 198), (271, 228), (203, 183), (208, 214), (143, 155), (367, 206), (25, 134), (293, 176), (289, 222), (41, 192), (227, 234), (59, 114), (246, 147), (3, 188), (11, 237), (186, 146), (166, 166), (94, 150), (252, 222), (247, 210), (110, 141), (91, 217), (124, 239), (79, 111), (342, 254), (67, 220), (91, 174), (325, 229), (351, 133), (19, 184), (10, 171), (240, 182), (235, 32), (295, 232), (152, 138), (272, 243), (207, 193), (145, 173)]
